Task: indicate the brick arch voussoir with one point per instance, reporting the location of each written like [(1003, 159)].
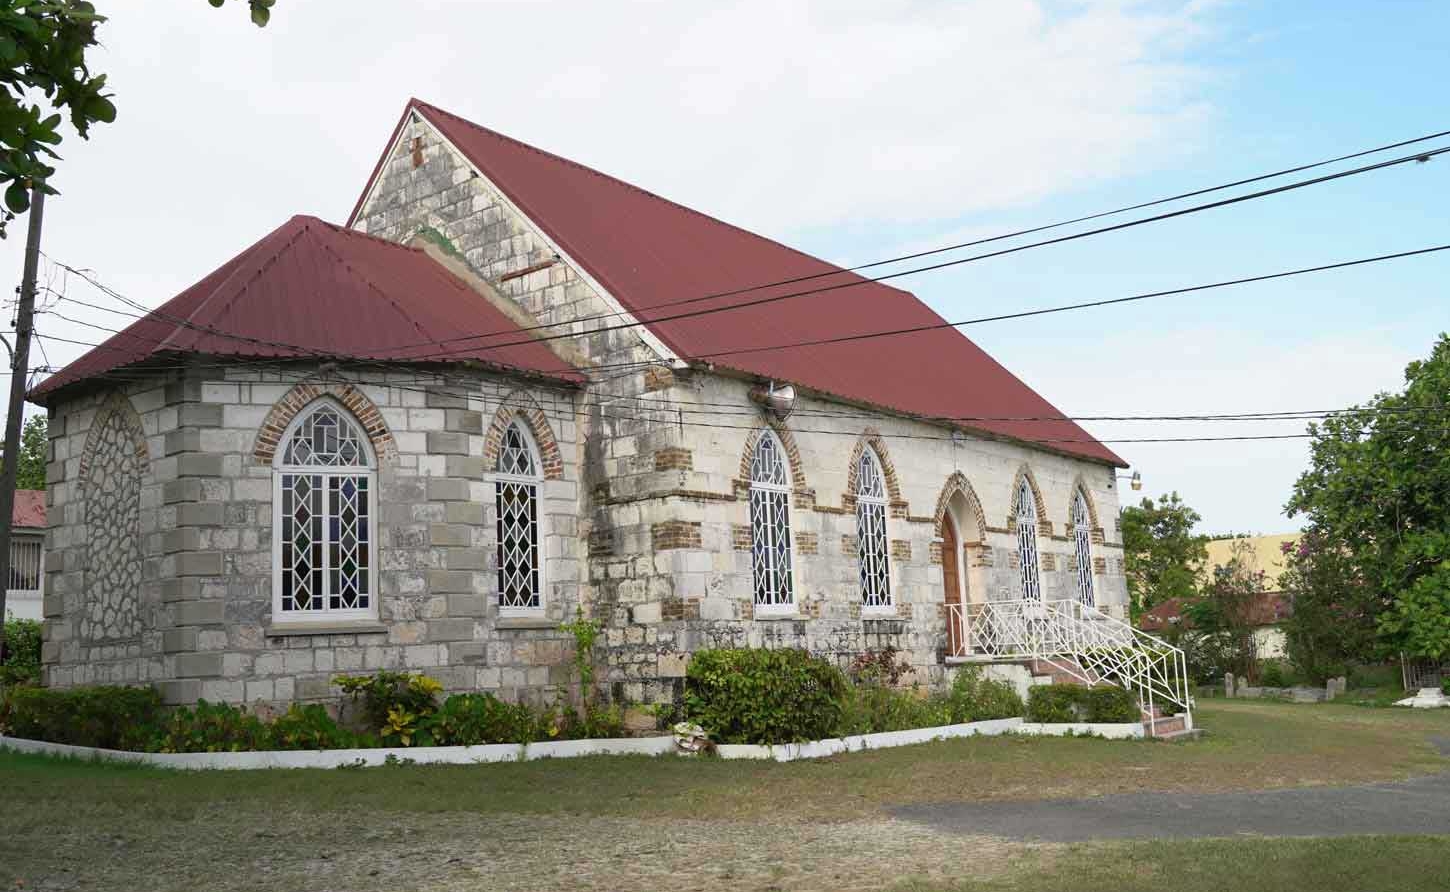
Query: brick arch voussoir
[(872, 437), (792, 453), (520, 405), (958, 483), (285, 410), (115, 404), (1025, 471)]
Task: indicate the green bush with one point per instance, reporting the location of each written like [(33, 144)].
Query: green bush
[(22, 653), (211, 728), (975, 698), (107, 717), (311, 728), (752, 695), (870, 709), (396, 705), (1272, 675), (472, 719), (1056, 703)]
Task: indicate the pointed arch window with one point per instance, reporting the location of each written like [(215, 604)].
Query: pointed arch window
[(1026, 510), (1082, 535), (871, 531), (324, 523), (520, 565), (770, 525)]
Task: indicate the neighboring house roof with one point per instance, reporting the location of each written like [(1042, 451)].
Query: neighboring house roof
[(314, 289), (1270, 608), (29, 509), (1260, 553), (647, 252)]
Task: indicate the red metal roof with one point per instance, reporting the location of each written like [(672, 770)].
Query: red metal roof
[(648, 252), (313, 289), (29, 509)]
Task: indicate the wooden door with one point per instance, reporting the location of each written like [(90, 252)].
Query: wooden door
[(951, 583)]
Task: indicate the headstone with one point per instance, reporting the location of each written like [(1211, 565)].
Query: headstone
[(1228, 684)]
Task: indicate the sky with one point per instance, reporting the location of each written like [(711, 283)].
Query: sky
[(857, 130)]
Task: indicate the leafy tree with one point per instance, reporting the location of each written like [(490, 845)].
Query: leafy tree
[(1378, 488), (1226, 614), (1333, 622), (30, 471), (43, 73), (1161, 551)]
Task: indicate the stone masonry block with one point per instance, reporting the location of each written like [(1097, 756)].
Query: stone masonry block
[(464, 512), (178, 640), (466, 558), (468, 605), (180, 589), (183, 440), (198, 464), (198, 665), (447, 443), (174, 491), (439, 399), (199, 563), (179, 692), (181, 539), (442, 489), (441, 582), (200, 415), (450, 630), (445, 534), (468, 466), (464, 421), (199, 613), (199, 514)]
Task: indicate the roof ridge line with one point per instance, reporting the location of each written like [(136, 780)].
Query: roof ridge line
[(418, 103)]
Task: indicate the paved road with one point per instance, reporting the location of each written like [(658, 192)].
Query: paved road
[(1420, 805)]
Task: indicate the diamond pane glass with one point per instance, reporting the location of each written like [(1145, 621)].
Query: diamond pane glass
[(302, 542), (518, 545), (515, 456), (770, 547), (325, 438), (768, 464), (1027, 541), (348, 547), (871, 531), (1082, 535)]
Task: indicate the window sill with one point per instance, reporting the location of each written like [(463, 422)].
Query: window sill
[(880, 613), (336, 627), (772, 615), (525, 622)]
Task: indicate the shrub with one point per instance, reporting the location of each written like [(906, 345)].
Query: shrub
[(1271, 674), (107, 717), (751, 695), (396, 705), (472, 719), (879, 667), (311, 728), (870, 709), (211, 728), (975, 698), (1111, 705), (1055, 703), (21, 652)]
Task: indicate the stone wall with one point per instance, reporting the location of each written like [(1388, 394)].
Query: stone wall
[(205, 626)]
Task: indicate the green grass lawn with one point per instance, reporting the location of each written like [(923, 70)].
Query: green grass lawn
[(152, 826)]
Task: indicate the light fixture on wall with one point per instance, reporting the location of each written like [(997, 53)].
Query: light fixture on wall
[(1135, 480), (778, 400)]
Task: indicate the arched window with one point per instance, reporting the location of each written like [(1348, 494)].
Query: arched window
[(1026, 510), (1082, 536), (324, 519), (871, 531), (770, 525), (520, 569)]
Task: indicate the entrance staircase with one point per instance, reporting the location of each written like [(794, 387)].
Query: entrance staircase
[(1074, 643)]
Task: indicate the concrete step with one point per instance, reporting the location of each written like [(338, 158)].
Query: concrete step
[(1164, 727), (1179, 736)]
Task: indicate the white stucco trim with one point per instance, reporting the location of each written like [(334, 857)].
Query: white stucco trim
[(650, 339)]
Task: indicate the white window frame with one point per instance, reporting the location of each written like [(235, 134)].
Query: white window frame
[(368, 471), (1031, 570), (536, 482), (780, 491), (885, 603), (1082, 533)]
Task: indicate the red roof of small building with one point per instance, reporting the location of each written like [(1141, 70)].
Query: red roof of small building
[(651, 253), (29, 509), (1267, 609), (311, 289)]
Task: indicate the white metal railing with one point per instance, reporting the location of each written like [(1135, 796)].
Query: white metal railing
[(1077, 639)]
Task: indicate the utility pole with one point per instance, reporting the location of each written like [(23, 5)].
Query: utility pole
[(19, 372)]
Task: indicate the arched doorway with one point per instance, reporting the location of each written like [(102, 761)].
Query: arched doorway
[(962, 566)]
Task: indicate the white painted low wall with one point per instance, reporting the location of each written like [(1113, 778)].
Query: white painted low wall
[(565, 749)]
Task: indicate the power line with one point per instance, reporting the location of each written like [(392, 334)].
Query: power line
[(1419, 157)]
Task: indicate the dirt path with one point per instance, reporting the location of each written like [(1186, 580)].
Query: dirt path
[(1418, 805), (222, 850)]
